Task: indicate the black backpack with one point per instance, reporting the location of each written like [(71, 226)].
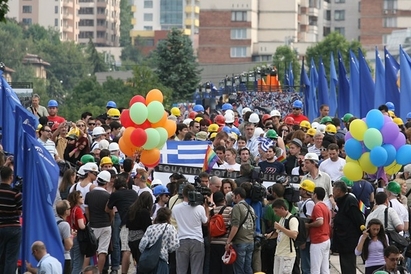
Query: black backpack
[(302, 231)]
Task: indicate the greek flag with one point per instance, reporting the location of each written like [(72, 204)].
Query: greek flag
[(190, 153)]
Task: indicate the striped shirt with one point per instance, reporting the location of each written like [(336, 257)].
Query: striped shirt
[(10, 206), (227, 220)]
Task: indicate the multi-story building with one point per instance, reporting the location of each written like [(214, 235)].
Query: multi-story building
[(100, 21), (380, 17), (153, 19), (60, 14), (345, 18)]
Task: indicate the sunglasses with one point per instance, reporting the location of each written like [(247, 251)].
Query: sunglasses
[(47, 130), (296, 108), (323, 149), (285, 130), (269, 128), (80, 125), (91, 124)]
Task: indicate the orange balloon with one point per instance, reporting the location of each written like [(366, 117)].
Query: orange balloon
[(127, 136), (154, 95), (171, 127), (161, 122), (150, 157), (126, 149)]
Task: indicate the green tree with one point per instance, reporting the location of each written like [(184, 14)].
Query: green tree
[(125, 23), (282, 58), (4, 8), (333, 43), (176, 65), (37, 32), (131, 53), (95, 58)]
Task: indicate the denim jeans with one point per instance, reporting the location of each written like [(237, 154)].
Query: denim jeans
[(243, 262), (10, 239), (305, 258), (115, 238), (77, 259)]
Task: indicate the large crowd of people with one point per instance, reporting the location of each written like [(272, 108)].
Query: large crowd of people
[(280, 229)]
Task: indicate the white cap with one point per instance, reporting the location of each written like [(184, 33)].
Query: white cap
[(81, 171), (104, 176), (245, 110), (254, 118), (321, 128), (275, 113), (258, 132), (315, 125), (98, 131), (103, 144), (113, 146), (156, 182), (90, 167), (187, 121), (311, 156), (229, 117)]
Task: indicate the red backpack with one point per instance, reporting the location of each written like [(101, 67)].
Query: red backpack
[(217, 225)]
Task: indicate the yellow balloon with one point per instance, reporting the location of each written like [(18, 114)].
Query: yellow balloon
[(366, 164), (353, 171), (357, 129), (392, 168)]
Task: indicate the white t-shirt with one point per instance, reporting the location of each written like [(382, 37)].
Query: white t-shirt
[(400, 209), (235, 167), (83, 190), (334, 169), (141, 190), (190, 220)]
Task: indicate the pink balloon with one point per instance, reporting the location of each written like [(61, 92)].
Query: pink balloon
[(389, 132), (399, 141)]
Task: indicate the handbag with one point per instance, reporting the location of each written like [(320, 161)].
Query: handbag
[(87, 241), (150, 256), (394, 238)]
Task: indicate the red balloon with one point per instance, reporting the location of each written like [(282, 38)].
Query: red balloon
[(153, 165), (137, 98), (144, 125), (138, 137), (126, 120)]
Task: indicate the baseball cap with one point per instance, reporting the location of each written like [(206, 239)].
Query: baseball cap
[(311, 156), (201, 136)]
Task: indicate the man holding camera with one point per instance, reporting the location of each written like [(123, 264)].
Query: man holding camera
[(190, 219)]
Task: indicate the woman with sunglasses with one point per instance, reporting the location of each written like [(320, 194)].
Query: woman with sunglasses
[(74, 152), (77, 221)]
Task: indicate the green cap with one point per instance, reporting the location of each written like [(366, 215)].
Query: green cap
[(347, 117), (347, 181), (272, 134), (394, 187), (326, 119), (115, 159), (87, 158)]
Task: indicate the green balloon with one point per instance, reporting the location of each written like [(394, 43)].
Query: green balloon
[(138, 113), (155, 111), (163, 136), (153, 139), (372, 138)]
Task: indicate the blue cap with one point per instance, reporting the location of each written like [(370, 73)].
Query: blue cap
[(236, 131), (53, 103), (226, 106), (111, 104), (227, 129), (409, 115), (297, 104), (198, 108), (390, 106)]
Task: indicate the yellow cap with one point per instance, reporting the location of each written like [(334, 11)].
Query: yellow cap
[(213, 135), (213, 128), (391, 114), (398, 121), (331, 129), (305, 124), (113, 113), (311, 131), (198, 119), (175, 111)]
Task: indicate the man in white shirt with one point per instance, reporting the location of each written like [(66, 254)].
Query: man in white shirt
[(230, 157), (334, 165), (190, 219), (252, 142), (318, 141), (394, 222), (47, 263), (44, 139), (393, 190)]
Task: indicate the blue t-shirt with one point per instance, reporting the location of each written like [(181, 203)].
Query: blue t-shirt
[(258, 210), (272, 168)]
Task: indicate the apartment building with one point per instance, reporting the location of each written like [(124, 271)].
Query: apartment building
[(153, 19), (379, 18), (345, 18), (60, 14)]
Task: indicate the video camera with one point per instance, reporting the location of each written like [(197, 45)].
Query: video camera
[(291, 194), (257, 175), (198, 196)]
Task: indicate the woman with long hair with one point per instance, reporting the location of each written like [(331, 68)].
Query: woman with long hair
[(227, 185), (68, 180), (138, 220), (77, 221), (371, 246), (170, 242), (73, 153)]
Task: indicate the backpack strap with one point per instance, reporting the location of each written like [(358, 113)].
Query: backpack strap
[(221, 210), (386, 218), (287, 226)]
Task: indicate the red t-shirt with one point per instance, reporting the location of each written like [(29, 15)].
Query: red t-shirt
[(322, 233), (75, 214), (297, 118), (56, 119)]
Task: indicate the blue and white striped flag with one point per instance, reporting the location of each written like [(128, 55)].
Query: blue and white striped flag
[(184, 153)]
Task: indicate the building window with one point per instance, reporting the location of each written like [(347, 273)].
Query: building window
[(339, 1), (148, 17), (359, 23), (101, 34), (239, 16), (239, 34), (339, 15), (86, 11), (27, 21), (237, 52), (340, 31), (56, 22), (148, 4), (86, 34), (27, 9), (328, 15), (86, 22), (100, 22), (390, 4), (148, 28), (56, 9), (390, 22)]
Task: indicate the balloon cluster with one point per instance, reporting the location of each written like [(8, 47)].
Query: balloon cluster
[(373, 144), (146, 127)]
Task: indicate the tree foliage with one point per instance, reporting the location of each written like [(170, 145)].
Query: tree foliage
[(4, 8), (95, 58), (125, 23), (331, 44), (176, 65), (282, 57)]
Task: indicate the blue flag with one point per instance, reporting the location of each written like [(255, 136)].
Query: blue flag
[(304, 87), (323, 95), (286, 78), (333, 87), (379, 98), (343, 88), (392, 93), (312, 106), (405, 84), (367, 86), (354, 86), (8, 100), (41, 175), (291, 77)]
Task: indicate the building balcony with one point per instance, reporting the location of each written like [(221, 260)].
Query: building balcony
[(67, 28), (189, 9), (133, 21), (101, 16), (303, 19), (313, 12), (189, 22), (304, 3), (101, 28), (312, 29), (133, 8), (68, 4), (68, 16), (101, 4)]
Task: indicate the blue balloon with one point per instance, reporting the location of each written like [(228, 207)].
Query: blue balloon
[(375, 119), (378, 156), (353, 149), (404, 155), (391, 153)]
